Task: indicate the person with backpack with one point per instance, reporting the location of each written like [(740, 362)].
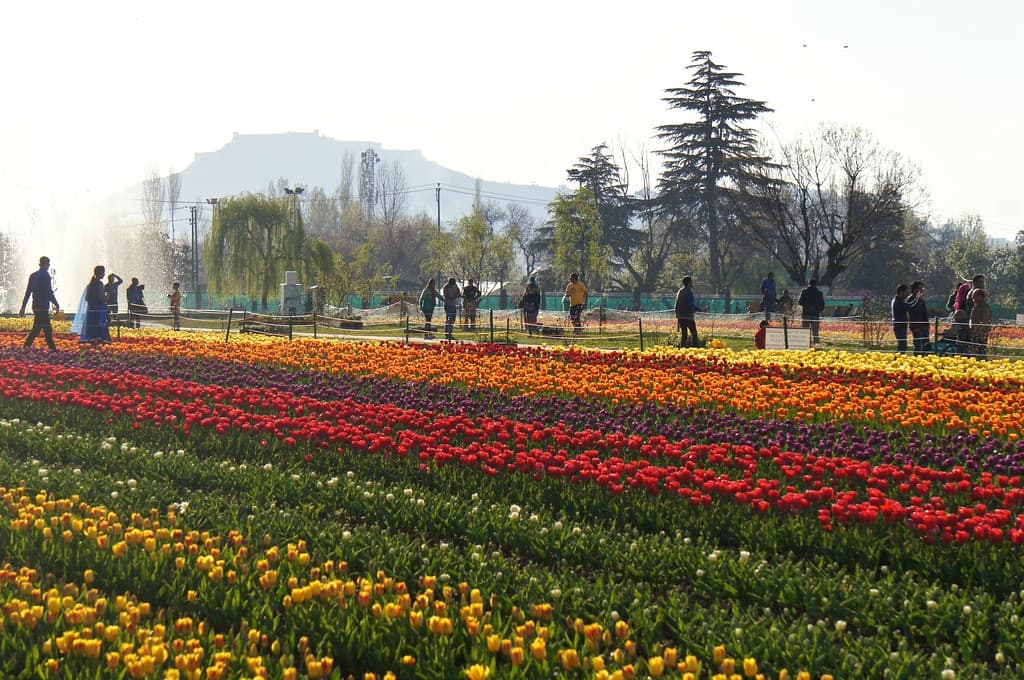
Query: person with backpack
[(962, 307), (812, 304)]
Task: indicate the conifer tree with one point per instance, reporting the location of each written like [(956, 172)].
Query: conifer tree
[(712, 161)]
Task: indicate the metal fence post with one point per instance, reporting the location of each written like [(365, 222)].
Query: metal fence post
[(227, 333), (640, 323)]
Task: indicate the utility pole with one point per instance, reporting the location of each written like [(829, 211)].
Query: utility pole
[(438, 190)]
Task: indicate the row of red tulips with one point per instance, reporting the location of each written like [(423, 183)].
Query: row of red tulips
[(947, 505)]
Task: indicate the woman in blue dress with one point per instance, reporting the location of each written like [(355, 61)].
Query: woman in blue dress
[(94, 328)]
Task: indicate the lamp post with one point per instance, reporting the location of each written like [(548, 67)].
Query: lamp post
[(195, 250), (295, 193)]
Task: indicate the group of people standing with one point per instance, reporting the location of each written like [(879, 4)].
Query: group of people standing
[(972, 317), (576, 295), (449, 298), (99, 303)]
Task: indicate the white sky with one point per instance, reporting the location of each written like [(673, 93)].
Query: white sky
[(97, 93)]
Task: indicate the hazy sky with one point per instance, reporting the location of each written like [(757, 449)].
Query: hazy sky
[(97, 93)]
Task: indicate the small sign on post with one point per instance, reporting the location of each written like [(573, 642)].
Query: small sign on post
[(787, 338)]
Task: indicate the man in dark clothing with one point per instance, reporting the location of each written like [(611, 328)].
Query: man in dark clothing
[(450, 295), (812, 304), (768, 297), (917, 313), (470, 301), (136, 302), (40, 289), (686, 308)]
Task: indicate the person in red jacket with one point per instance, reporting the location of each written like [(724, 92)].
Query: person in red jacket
[(759, 335)]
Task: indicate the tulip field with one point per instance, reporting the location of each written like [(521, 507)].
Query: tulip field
[(175, 505)]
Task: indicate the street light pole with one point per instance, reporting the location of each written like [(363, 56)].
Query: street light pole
[(295, 193), (193, 221), (195, 250)]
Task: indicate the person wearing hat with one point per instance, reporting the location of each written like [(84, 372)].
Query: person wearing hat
[(470, 302), (40, 289), (530, 303)]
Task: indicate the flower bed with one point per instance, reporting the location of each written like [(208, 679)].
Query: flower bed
[(275, 509)]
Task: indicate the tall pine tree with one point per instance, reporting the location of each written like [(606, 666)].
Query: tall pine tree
[(712, 161)]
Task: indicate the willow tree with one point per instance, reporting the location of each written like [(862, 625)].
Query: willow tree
[(254, 239)]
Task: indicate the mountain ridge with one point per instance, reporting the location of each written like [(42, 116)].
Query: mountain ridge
[(252, 162)]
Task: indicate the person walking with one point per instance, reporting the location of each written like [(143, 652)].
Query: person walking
[(981, 323), (428, 301), (470, 302), (40, 289), (175, 304), (900, 320), (95, 329), (812, 304), (110, 293), (450, 294), (531, 305), (135, 293), (917, 314), (577, 293), (768, 297), (686, 309)]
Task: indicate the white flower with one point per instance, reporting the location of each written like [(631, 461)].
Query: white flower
[(744, 556), (555, 593), (268, 467), (948, 674), (132, 484), (346, 535), (513, 508), (114, 494), (615, 615), (557, 526), (420, 502), (840, 626), (967, 610), (77, 472), (407, 492), (43, 472), (158, 455), (390, 497)]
